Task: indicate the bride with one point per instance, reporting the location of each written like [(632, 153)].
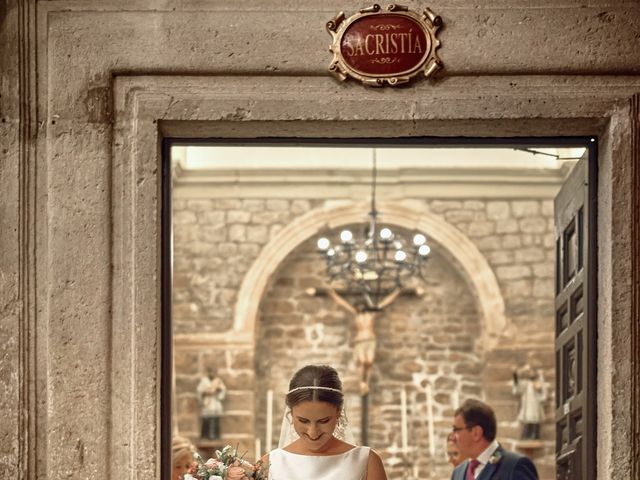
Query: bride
[(310, 442)]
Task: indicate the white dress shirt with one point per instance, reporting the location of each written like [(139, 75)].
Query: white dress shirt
[(484, 457)]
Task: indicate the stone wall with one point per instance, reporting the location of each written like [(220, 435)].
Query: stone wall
[(215, 243), (429, 339)]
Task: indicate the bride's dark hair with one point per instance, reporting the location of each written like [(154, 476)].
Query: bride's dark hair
[(315, 376)]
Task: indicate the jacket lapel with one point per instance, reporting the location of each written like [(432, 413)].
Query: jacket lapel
[(488, 471), (462, 472), (490, 468)]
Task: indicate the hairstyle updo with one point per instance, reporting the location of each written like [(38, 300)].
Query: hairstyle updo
[(180, 446), (315, 376)]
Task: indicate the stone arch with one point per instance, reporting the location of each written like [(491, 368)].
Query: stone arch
[(475, 268)]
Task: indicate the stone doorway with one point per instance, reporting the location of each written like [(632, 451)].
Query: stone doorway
[(151, 108), (513, 233)]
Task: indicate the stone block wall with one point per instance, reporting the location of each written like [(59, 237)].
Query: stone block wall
[(215, 242), (430, 339), (517, 239)]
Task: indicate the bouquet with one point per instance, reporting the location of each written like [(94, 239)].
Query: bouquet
[(227, 466)]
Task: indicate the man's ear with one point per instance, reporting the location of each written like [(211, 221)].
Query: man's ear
[(478, 433)]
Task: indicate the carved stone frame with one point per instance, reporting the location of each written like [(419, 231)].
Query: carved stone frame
[(635, 287), (148, 109)]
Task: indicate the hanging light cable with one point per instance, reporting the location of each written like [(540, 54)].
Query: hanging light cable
[(376, 264)]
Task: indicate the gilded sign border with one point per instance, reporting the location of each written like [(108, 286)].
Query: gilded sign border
[(430, 63)]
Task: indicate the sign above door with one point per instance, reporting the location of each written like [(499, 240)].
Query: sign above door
[(384, 47)]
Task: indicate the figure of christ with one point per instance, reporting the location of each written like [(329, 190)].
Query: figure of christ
[(364, 342)]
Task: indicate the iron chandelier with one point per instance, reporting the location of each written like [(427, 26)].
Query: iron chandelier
[(375, 265)]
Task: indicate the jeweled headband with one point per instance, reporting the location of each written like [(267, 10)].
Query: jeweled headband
[(311, 387)]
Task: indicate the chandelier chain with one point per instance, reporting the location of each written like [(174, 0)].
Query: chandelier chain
[(374, 174)]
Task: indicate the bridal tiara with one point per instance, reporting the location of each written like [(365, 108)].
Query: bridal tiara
[(311, 387)]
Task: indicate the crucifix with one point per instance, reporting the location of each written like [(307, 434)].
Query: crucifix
[(364, 342)]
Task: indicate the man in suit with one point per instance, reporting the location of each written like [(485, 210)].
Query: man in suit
[(474, 432)]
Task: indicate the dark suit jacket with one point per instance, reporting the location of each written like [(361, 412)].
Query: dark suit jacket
[(510, 466)]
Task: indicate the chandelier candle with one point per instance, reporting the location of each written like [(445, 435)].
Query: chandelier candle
[(430, 423), (269, 425), (403, 422)]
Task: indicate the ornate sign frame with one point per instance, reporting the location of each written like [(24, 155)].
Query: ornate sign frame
[(427, 24)]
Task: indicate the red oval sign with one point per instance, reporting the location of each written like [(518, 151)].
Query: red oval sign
[(384, 45)]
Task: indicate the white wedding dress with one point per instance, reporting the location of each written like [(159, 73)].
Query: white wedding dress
[(351, 465)]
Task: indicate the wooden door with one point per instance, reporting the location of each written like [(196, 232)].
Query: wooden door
[(575, 325)]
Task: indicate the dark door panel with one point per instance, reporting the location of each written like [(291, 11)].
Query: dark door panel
[(575, 326)]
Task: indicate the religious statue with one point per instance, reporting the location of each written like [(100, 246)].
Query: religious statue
[(211, 392), (364, 342), (532, 388)]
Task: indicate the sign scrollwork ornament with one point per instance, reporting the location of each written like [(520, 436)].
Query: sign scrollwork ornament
[(384, 47)]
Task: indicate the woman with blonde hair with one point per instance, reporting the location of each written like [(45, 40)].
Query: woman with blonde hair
[(182, 457), (454, 457)]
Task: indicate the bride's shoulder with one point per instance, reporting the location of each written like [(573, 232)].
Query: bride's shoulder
[(374, 454), (375, 467)]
